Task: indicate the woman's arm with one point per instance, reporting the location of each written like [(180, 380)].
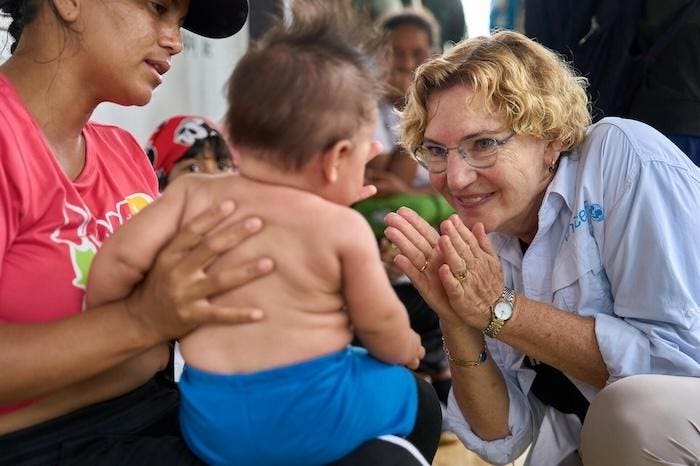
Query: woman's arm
[(104, 386), (480, 391), (562, 339), (39, 359), (464, 309)]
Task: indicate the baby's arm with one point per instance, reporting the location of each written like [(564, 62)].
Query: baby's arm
[(378, 316), (126, 256)]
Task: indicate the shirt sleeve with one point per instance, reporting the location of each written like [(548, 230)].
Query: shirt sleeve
[(9, 212), (650, 254)]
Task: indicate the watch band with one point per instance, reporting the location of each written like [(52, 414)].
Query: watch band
[(495, 325)]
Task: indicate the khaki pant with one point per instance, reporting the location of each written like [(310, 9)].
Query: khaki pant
[(644, 420)]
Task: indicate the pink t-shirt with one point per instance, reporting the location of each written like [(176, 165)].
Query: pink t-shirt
[(50, 226)]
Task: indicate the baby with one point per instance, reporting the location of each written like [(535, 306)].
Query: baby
[(289, 389)]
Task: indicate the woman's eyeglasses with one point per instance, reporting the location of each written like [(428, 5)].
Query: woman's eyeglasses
[(477, 152)]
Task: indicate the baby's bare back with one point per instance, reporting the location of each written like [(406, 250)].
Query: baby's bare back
[(301, 299)]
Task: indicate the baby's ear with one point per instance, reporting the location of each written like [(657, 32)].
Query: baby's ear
[(333, 158)]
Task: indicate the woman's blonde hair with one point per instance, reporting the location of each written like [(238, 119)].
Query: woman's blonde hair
[(533, 88)]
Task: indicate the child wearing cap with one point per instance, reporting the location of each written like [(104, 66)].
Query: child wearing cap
[(188, 144), (290, 390)]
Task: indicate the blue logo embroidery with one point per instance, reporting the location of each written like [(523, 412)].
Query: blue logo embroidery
[(590, 211)]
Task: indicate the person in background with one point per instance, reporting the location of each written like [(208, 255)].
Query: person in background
[(180, 145), (669, 98), (188, 144), (567, 282), (449, 14), (413, 36), (639, 56), (86, 387), (307, 388)]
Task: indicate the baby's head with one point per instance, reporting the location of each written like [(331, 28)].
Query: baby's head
[(187, 144), (304, 88)]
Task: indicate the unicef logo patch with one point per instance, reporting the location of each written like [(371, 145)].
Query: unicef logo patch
[(594, 212)]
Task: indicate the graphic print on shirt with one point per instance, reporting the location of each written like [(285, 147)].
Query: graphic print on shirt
[(594, 212), (82, 244)]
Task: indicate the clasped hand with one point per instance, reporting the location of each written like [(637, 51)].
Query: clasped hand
[(175, 296), (456, 270)]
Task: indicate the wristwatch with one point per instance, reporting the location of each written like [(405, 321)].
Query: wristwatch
[(501, 311)]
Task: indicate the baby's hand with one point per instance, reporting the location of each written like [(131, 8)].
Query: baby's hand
[(367, 190), (419, 352)]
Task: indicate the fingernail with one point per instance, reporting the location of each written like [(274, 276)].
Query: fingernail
[(253, 224), (265, 265), (256, 314)]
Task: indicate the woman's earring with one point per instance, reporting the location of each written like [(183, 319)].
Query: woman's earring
[(553, 167)]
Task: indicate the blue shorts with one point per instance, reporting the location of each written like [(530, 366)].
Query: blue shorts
[(314, 412)]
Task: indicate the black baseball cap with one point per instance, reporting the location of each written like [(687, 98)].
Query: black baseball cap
[(216, 19)]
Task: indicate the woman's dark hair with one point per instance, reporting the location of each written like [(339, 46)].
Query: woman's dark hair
[(22, 13)]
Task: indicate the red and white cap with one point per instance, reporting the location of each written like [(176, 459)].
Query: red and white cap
[(174, 137)]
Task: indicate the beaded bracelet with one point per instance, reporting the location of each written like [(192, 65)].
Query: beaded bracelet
[(463, 362)]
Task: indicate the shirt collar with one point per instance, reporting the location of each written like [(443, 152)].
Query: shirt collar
[(563, 184)]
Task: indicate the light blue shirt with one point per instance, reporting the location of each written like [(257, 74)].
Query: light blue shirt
[(618, 239)]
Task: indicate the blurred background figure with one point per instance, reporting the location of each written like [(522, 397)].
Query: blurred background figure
[(188, 144), (413, 36), (507, 14), (639, 56), (669, 98), (449, 14)]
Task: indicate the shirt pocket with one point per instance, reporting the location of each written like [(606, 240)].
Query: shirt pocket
[(579, 281)]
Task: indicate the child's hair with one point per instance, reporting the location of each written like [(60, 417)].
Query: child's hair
[(306, 85)]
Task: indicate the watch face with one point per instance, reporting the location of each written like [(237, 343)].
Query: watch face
[(503, 311)]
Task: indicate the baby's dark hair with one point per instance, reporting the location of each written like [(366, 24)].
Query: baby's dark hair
[(22, 13), (305, 86)]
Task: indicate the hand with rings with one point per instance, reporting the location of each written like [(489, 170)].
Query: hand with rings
[(461, 275), (471, 275), (418, 259)]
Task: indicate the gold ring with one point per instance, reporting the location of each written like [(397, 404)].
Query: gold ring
[(424, 267), (461, 275)]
